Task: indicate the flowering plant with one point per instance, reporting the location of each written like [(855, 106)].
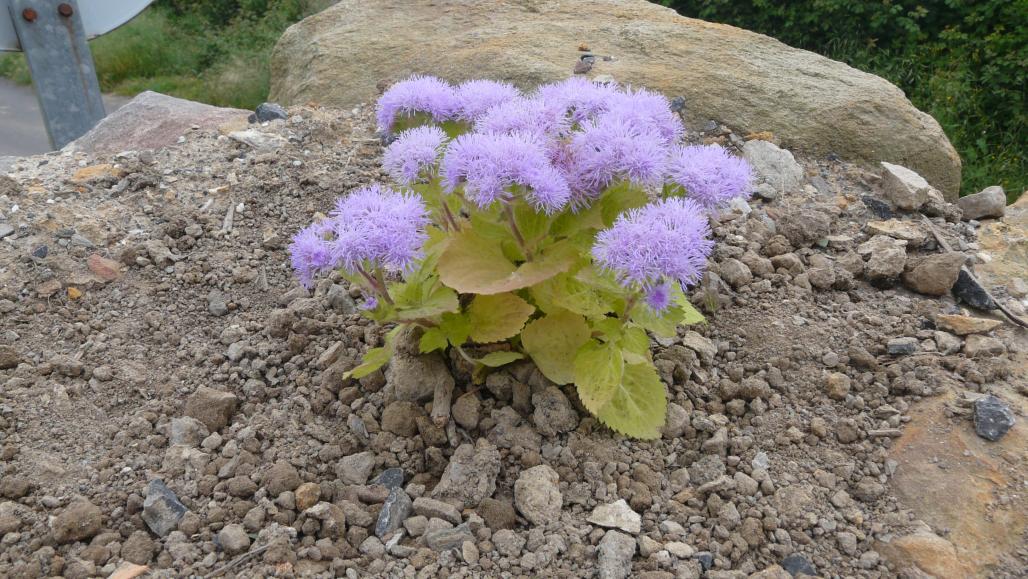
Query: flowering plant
[(559, 226)]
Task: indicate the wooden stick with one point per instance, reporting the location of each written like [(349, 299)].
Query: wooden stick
[(245, 556), (945, 245)]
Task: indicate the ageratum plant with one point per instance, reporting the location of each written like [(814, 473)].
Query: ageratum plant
[(559, 226)]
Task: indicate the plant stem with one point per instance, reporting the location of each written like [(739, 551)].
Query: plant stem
[(632, 299), (517, 232), (377, 284), (382, 285), (449, 216)]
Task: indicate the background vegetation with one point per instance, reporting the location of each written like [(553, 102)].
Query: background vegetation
[(963, 61)]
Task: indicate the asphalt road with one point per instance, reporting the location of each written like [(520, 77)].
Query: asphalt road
[(21, 123)]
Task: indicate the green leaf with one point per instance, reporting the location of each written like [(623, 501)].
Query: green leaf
[(432, 300), (532, 224), (639, 405), (570, 223), (456, 327), (598, 371), (636, 345), (433, 339), (497, 359), (474, 264), (690, 315), (664, 325), (553, 343), (375, 358), (619, 198), (567, 292), (498, 317)]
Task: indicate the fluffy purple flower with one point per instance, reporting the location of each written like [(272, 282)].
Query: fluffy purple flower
[(710, 174), (579, 98), (377, 227), (613, 148), (369, 303), (647, 110), (489, 164), (658, 296), (524, 115), (412, 152), (417, 94), (475, 97), (665, 240), (310, 253)]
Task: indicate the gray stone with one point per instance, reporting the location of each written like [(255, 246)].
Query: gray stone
[(391, 478), (281, 477), (615, 553), (508, 543), (989, 202), (773, 165), (707, 469), (933, 275), (162, 510), (992, 418), (797, 565), (259, 140), (339, 300), (886, 258), (553, 413), (78, 521), (537, 496), (972, 293), (138, 548), (901, 346), (437, 509), (6, 229), (214, 408), (356, 468), (905, 188), (233, 539), (735, 273), (340, 57), (217, 304), (152, 121), (471, 474), (186, 430), (267, 112), (414, 378), (394, 512), (446, 539), (617, 515)]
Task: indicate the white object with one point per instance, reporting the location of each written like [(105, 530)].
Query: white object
[(98, 17)]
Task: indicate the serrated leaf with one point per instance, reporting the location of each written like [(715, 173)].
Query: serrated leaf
[(566, 292), (456, 327), (570, 223), (619, 198), (497, 359), (426, 301), (635, 345), (598, 371), (497, 317), (433, 339), (532, 224), (553, 342), (474, 264), (374, 359), (664, 324), (690, 315), (639, 405)]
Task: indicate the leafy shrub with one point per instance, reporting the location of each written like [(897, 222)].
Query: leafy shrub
[(962, 61), (559, 226)]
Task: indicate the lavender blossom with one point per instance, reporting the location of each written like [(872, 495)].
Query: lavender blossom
[(649, 111), (524, 115), (310, 253), (709, 174), (414, 151), (475, 97), (489, 165), (658, 296), (613, 148), (417, 94), (377, 227), (579, 98), (665, 240)]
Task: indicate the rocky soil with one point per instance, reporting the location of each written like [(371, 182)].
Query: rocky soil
[(172, 398)]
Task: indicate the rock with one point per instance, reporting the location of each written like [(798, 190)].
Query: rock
[(677, 421), (259, 140), (138, 548), (971, 292), (901, 346), (978, 346), (735, 273), (497, 514), (553, 413), (617, 515), (772, 572), (750, 388), (435, 509), (905, 188), (6, 229), (162, 511), (332, 517), (217, 303), (947, 343), (886, 259), (356, 468), (707, 469), (508, 543), (391, 478), (908, 231), (307, 495), (992, 418), (837, 386), (152, 121), (394, 512), (773, 166), (9, 357), (281, 477), (400, 418), (414, 378), (105, 269), (933, 275), (467, 410), (804, 227), (15, 487), (614, 557), (267, 112), (989, 202), (186, 430), (214, 408), (446, 539), (680, 550), (965, 325), (233, 539), (924, 552), (471, 474), (537, 496), (339, 57), (797, 565), (79, 521)]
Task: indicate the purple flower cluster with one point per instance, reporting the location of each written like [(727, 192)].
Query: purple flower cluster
[(475, 97), (488, 165), (710, 174), (372, 227), (647, 247), (413, 153), (417, 94)]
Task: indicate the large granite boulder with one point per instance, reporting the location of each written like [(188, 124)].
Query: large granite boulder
[(346, 54), (153, 120)]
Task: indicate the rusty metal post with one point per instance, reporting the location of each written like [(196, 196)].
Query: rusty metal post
[(54, 41)]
